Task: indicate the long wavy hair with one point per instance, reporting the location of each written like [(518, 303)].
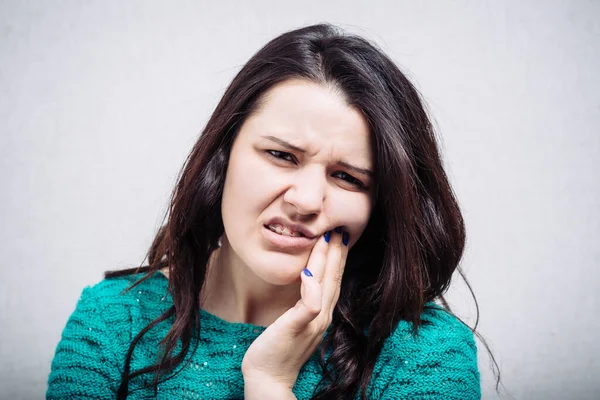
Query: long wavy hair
[(406, 256)]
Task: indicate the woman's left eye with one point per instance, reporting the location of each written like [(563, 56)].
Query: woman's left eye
[(352, 180)]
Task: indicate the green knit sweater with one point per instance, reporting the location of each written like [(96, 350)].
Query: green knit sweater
[(440, 363)]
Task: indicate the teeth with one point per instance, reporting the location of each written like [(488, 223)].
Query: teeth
[(284, 230)]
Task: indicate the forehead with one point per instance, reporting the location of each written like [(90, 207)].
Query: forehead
[(312, 116)]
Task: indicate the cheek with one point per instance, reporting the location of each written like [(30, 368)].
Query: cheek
[(245, 194), (353, 212)]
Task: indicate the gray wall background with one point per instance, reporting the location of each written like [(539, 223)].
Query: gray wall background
[(100, 102)]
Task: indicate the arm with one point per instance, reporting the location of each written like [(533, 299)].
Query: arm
[(83, 364), (264, 390)]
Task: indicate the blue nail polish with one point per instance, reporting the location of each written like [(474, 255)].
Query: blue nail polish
[(307, 272), (327, 236), (345, 238), (338, 229)]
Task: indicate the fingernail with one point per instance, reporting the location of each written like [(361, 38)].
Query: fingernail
[(345, 238), (327, 236), (307, 272), (338, 229)]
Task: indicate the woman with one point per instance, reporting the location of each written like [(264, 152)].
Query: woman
[(311, 229)]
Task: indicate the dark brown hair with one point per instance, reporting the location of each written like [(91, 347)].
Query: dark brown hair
[(409, 250)]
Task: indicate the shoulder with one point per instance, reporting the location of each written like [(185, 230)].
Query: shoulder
[(440, 361), (107, 290), (100, 299), (438, 326), (93, 341), (120, 290), (113, 303), (439, 332)]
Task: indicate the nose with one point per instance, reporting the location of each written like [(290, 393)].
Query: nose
[(307, 191)]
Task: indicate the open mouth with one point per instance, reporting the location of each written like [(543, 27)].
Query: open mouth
[(286, 239), (283, 231)]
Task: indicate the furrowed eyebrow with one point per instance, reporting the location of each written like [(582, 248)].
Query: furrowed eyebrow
[(285, 144), (290, 146), (356, 169)]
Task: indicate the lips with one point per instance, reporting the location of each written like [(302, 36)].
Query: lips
[(283, 230), (305, 231), (278, 242)]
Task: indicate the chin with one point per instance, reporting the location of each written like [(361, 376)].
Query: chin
[(279, 268)]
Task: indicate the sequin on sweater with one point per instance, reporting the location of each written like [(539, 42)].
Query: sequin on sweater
[(439, 363)]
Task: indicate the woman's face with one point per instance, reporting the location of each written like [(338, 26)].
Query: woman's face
[(301, 159)]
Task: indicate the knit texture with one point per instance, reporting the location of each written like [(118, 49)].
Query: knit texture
[(439, 363)]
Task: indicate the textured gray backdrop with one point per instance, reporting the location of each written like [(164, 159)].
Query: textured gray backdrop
[(100, 101)]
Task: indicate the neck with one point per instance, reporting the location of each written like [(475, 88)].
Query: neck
[(234, 293)]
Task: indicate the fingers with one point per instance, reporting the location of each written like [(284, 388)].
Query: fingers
[(318, 258), (310, 303), (321, 280), (334, 269), (311, 299)]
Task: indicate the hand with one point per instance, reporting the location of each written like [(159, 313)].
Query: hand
[(279, 353)]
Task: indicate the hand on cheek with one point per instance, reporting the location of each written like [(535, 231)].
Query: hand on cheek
[(280, 351)]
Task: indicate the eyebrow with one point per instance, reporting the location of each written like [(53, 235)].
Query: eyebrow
[(290, 146)]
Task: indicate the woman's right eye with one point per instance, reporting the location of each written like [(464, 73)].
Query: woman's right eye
[(281, 155)]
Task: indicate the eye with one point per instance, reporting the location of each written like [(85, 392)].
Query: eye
[(282, 155), (352, 180)]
